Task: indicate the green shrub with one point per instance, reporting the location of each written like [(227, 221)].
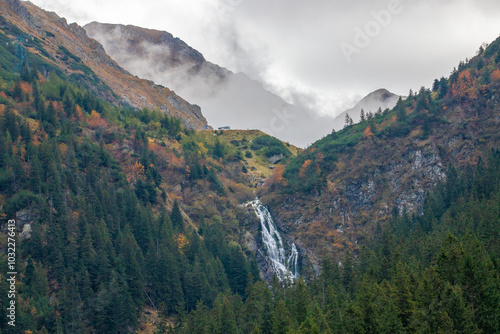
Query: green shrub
[(270, 146)]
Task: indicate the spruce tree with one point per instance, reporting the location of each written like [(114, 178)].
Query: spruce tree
[(176, 217)]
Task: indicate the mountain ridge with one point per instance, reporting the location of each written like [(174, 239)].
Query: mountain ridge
[(227, 98), (52, 31)]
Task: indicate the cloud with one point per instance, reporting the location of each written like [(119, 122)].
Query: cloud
[(293, 46), (226, 99)]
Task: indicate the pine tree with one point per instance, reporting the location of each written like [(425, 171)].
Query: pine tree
[(35, 245), (11, 123), (348, 121), (69, 307), (316, 315), (29, 276), (258, 308), (387, 320), (3, 151), (281, 320), (349, 274), (88, 253), (226, 309), (403, 296), (219, 149), (69, 102), (176, 217), (480, 285), (166, 283), (50, 113), (401, 114), (308, 326), (195, 285), (237, 270), (450, 259), (17, 91), (353, 320), (133, 260), (140, 191), (453, 303), (301, 300)]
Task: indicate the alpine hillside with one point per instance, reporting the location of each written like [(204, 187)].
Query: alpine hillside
[(125, 217), (68, 48)]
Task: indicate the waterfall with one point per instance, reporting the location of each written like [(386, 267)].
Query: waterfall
[(282, 255)]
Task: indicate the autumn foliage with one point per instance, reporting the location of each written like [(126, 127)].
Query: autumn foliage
[(368, 132), (495, 76), (182, 242), (277, 177), (26, 88), (137, 171), (464, 87), (96, 121), (305, 167)]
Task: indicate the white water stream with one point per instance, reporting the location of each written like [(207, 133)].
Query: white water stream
[(282, 255)]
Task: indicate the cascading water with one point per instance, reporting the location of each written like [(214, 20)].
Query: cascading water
[(283, 256)]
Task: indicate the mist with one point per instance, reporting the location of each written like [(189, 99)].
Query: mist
[(226, 99), (294, 47)]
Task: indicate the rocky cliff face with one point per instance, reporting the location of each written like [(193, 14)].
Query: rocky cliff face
[(364, 189), (127, 43), (19, 9), (89, 63)]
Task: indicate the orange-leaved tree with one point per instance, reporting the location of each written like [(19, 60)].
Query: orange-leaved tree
[(96, 122), (305, 167), (495, 76), (368, 132), (465, 87)]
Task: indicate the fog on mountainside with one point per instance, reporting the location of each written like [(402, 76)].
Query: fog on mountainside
[(380, 98), (226, 99)]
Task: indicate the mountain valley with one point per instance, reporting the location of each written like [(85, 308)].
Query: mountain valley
[(133, 215)]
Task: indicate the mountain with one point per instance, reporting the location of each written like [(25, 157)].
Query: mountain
[(381, 98), (226, 98), (70, 50), (129, 220), (122, 216), (334, 196)]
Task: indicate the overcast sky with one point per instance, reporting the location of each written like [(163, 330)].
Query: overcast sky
[(325, 54)]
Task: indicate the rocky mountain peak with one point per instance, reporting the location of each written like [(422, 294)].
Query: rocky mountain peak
[(136, 37), (380, 98), (382, 94)]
